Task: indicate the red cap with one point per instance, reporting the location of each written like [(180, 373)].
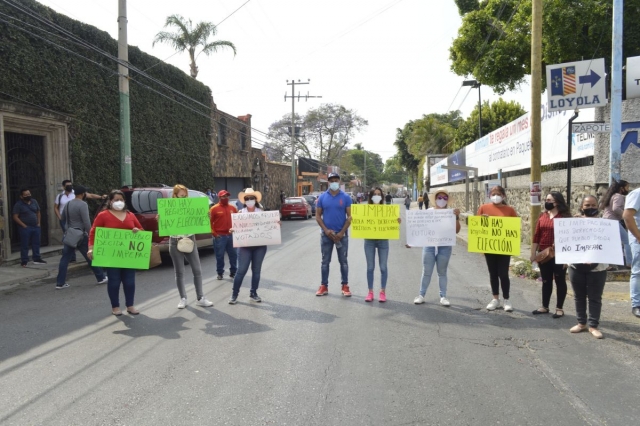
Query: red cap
[(223, 192)]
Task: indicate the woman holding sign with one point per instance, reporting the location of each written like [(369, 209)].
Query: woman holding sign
[(498, 264), (543, 239), (116, 216)]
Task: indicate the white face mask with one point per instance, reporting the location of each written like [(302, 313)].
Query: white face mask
[(496, 199), (334, 186), (441, 203), (250, 203), (376, 199), (118, 205)]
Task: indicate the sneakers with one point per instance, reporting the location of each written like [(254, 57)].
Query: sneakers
[(182, 304), (322, 291), (232, 275), (419, 300), (60, 287), (578, 328), (39, 262), (508, 307), (595, 333), (383, 297), (494, 304), (444, 302), (204, 302), (233, 300), (104, 281), (369, 297), (255, 298), (345, 291), (219, 276)]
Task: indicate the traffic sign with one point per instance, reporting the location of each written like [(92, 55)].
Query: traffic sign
[(576, 85), (633, 77), (591, 127)]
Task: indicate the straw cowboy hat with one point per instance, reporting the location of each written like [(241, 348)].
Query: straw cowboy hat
[(250, 192), (432, 196)]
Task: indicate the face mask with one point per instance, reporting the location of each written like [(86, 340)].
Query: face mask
[(68, 188), (548, 206), (118, 205), (250, 203), (441, 203), (376, 199), (496, 199), (334, 186), (224, 201), (590, 212), (27, 198)]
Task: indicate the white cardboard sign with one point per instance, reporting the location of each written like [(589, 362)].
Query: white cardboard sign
[(256, 229), (587, 240), (432, 227)]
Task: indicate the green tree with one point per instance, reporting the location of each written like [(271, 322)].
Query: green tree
[(433, 134), (494, 41), (372, 173), (406, 159), (191, 38), (494, 116), (393, 171)]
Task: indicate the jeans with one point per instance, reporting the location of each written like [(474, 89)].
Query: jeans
[(498, 265), (634, 283), (420, 205), (438, 257), (222, 244), (246, 256), (370, 247), (326, 246), (177, 257), (128, 279), (588, 285), (548, 272), (67, 251), (29, 236), (63, 225), (626, 248)]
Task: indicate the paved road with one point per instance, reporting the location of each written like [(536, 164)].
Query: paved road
[(297, 359)]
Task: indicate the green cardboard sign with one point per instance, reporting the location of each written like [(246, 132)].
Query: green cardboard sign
[(180, 216), (121, 248)]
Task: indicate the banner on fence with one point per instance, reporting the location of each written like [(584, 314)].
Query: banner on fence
[(256, 229), (180, 216), (375, 221), (587, 240), (494, 234), (121, 248), (432, 227)]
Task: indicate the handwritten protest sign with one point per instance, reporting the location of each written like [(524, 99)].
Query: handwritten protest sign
[(121, 248), (375, 221), (587, 240), (433, 228), (495, 234), (180, 216), (256, 229)]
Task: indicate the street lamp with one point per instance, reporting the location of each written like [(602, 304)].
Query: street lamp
[(475, 84)]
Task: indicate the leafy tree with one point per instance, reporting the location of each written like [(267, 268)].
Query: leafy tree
[(189, 38), (406, 159), (374, 165), (393, 171), (279, 145), (433, 134), (494, 116), (466, 6)]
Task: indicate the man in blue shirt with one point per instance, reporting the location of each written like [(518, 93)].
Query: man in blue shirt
[(631, 218), (333, 214), (26, 213)]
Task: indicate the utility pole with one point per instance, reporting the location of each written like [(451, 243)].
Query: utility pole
[(293, 127), (616, 92), (365, 170), (536, 82), (125, 126)]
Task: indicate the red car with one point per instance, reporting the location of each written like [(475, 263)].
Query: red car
[(295, 207)]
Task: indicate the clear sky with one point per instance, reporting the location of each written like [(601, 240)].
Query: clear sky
[(386, 59)]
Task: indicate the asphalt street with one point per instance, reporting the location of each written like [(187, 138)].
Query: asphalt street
[(298, 359)]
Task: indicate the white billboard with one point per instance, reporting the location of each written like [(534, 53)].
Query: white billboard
[(633, 77), (576, 85)]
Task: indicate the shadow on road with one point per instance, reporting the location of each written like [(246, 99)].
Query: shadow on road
[(220, 324)]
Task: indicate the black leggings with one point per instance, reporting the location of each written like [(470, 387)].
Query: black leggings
[(498, 265), (550, 271)]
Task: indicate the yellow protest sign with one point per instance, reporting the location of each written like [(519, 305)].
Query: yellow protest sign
[(375, 221), (495, 234)]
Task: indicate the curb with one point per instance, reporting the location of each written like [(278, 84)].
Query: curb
[(42, 275)]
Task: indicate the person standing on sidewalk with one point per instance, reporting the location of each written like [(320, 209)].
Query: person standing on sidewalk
[(425, 200), (631, 217), (498, 264), (177, 257), (76, 215), (543, 238), (220, 216), (437, 257), (613, 206), (62, 199), (26, 213), (388, 198), (333, 214), (420, 202), (407, 202)]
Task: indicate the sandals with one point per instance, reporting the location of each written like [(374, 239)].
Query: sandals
[(540, 311), (557, 315)]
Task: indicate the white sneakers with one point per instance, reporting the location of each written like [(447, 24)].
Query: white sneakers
[(182, 304), (204, 302), (445, 302), (508, 307), (495, 304), (418, 300), (104, 281)]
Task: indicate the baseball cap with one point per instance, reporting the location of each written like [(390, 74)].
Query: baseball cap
[(223, 193), (333, 175), (79, 190)]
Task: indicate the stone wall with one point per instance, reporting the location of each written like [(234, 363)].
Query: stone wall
[(279, 180), (230, 145)]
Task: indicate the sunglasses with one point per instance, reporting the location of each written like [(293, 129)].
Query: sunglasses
[(442, 197), (249, 198)]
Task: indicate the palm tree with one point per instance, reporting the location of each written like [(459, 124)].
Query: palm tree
[(189, 38)]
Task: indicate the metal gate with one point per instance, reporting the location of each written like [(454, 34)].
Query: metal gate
[(25, 169)]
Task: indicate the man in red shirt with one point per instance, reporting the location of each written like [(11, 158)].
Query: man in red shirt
[(220, 215)]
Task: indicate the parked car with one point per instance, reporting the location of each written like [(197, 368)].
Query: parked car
[(312, 200), (143, 202), (295, 207)]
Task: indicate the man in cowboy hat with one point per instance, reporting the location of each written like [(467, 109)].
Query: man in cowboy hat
[(220, 215)]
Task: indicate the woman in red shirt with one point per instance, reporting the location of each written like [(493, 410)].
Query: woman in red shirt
[(117, 216), (555, 207)]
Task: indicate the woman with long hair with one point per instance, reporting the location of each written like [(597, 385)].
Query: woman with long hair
[(555, 207), (612, 204)]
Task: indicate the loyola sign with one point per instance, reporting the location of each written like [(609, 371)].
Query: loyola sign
[(575, 85)]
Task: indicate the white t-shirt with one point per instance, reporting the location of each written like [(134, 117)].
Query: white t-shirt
[(62, 199)]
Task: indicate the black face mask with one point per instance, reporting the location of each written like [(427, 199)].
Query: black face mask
[(548, 206), (27, 198), (590, 212), (68, 188)]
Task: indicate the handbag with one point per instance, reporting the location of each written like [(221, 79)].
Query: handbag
[(546, 255), (185, 245), (155, 259), (72, 236)]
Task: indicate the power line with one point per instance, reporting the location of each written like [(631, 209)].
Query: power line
[(230, 15)]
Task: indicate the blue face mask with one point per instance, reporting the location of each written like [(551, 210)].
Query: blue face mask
[(334, 186)]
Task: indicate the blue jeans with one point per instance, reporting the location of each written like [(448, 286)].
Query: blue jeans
[(246, 256), (222, 244), (63, 225), (438, 257), (67, 251), (128, 279), (370, 247), (29, 236), (326, 246), (626, 248), (635, 275)]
